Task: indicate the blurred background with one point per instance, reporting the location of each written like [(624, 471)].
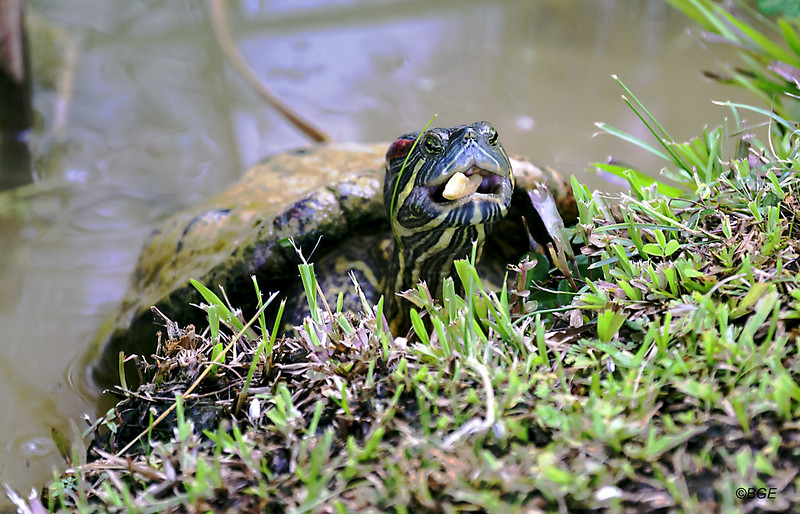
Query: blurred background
[(137, 114)]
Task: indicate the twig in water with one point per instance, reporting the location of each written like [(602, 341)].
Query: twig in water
[(219, 21)]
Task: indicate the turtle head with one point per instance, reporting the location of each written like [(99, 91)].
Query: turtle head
[(453, 177), (441, 195)]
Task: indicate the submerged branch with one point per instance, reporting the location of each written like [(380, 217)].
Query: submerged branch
[(219, 21)]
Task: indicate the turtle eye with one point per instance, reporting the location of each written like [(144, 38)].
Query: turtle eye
[(432, 143), (491, 136)]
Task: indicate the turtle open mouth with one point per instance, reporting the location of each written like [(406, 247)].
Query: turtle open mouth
[(465, 183)]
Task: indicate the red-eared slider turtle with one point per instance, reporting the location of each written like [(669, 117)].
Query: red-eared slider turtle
[(341, 204)]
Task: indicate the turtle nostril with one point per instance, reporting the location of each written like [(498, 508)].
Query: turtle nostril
[(470, 135)]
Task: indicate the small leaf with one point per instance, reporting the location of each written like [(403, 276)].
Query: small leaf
[(653, 249), (672, 247)]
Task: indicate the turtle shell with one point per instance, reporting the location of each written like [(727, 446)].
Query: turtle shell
[(319, 196)]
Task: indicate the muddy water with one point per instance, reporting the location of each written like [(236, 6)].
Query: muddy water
[(140, 116)]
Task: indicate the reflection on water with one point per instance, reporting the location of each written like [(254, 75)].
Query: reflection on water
[(152, 120)]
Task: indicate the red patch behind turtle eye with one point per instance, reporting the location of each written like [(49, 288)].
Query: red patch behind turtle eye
[(399, 148)]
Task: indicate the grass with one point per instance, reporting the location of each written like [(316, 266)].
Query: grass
[(768, 48), (668, 381)]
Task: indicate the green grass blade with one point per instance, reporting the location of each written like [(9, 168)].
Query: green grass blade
[(225, 313), (773, 50), (630, 139), (790, 34), (663, 132), (405, 163), (641, 179)]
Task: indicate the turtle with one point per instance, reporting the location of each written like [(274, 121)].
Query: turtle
[(391, 217)]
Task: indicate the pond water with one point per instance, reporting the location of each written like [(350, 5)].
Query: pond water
[(139, 116)]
